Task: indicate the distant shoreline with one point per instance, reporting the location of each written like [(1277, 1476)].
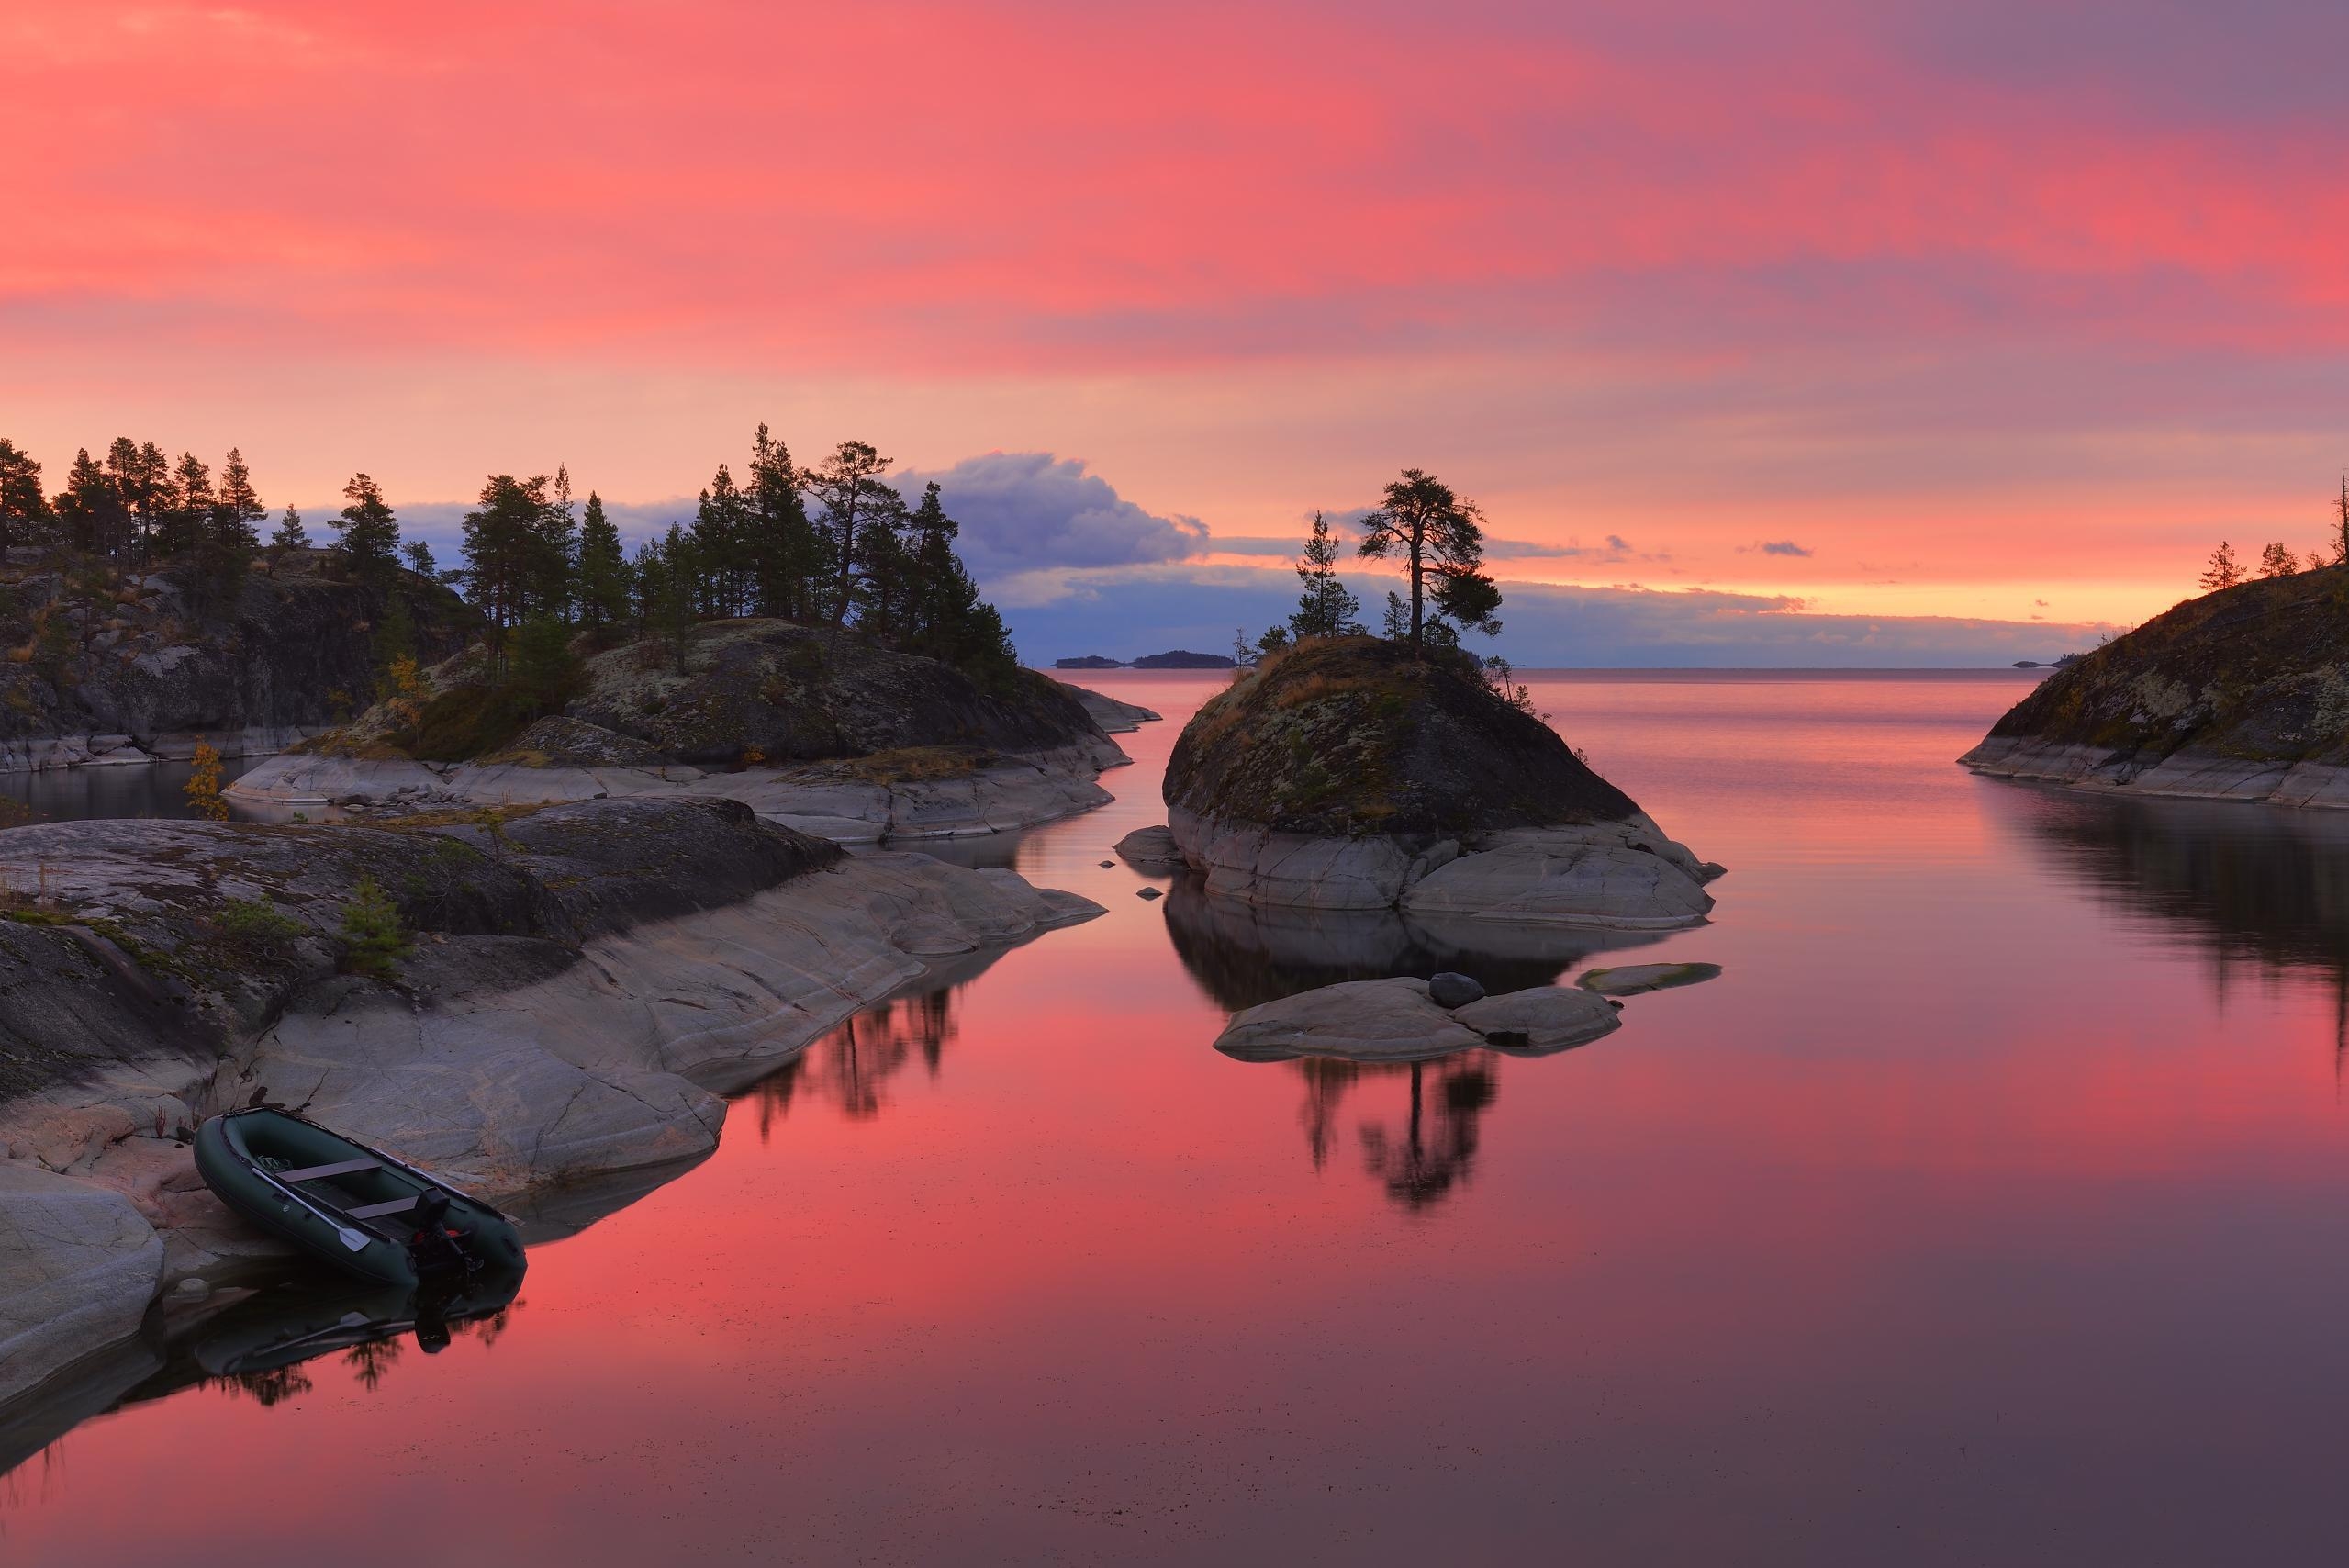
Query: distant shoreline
[(1661, 674)]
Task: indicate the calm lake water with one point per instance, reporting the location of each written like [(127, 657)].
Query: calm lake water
[(1992, 1208), (156, 789)]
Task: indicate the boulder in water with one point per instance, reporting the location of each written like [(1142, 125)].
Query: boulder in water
[(1397, 1020), (1449, 990), (1631, 979), (1150, 849)]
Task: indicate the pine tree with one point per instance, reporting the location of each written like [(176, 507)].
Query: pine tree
[(2224, 571), (554, 566), (2277, 561), (417, 553), (603, 571), (668, 586), (1441, 539), (236, 525), (375, 937), (142, 478), (90, 508), (189, 518), (25, 515), (290, 534), (545, 669), (782, 553), (1396, 626), (1327, 607), (847, 484), (505, 545), (2341, 533), (367, 534), (721, 547)]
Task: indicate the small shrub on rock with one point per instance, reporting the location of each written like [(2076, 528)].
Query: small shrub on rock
[(375, 938)]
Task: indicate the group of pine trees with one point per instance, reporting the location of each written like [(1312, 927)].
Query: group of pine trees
[(136, 508), (2224, 569), (1439, 540), (834, 545)]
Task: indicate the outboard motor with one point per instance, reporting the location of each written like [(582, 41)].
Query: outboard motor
[(433, 1246)]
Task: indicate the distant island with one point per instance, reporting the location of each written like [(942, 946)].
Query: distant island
[(1178, 658)]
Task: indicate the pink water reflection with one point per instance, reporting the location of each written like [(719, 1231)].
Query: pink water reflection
[(1968, 1218)]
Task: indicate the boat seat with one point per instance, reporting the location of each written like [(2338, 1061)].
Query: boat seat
[(320, 1172), (392, 1207)]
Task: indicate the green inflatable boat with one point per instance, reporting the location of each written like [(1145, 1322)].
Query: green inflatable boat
[(350, 1206)]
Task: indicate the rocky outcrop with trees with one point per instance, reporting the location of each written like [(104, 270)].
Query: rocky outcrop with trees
[(816, 729), (2242, 694), (1346, 773)]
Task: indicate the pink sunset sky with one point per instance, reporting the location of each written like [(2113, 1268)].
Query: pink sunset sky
[(1833, 327)]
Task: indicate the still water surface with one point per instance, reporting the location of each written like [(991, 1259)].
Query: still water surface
[(1989, 1208)]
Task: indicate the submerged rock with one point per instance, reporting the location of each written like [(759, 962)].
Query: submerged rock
[(1150, 849), (1631, 979), (1344, 775), (1397, 1020)]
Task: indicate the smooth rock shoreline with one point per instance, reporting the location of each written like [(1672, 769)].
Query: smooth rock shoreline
[(514, 1064), (2187, 774), (1624, 876), (1115, 717), (1009, 793), (46, 754)]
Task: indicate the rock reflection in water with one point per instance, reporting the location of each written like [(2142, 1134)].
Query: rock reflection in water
[(2253, 885), (1244, 955), (1431, 1150)]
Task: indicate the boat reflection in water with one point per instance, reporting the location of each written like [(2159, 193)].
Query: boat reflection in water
[(252, 1341), (256, 1347)]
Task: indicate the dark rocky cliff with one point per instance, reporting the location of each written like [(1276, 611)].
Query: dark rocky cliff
[(92, 652)]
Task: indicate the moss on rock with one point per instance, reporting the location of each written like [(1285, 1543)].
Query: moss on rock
[(2255, 672), (1349, 737)]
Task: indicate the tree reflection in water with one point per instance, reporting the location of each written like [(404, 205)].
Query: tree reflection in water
[(851, 1067), (1434, 1147)]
